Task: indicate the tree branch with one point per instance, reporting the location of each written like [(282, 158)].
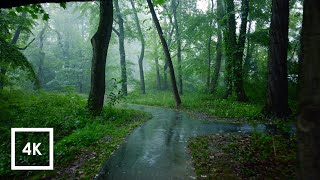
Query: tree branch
[(24, 48), (116, 31)]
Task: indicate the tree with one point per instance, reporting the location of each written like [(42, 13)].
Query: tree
[(220, 12), (167, 54), (234, 49), (175, 5), (120, 34), (277, 90), (136, 19), (41, 55), (309, 101), (100, 43)]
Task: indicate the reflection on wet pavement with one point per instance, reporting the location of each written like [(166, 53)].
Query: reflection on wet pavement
[(157, 149)]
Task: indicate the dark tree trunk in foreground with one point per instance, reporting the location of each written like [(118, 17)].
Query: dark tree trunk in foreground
[(121, 49), (309, 100), (100, 43), (167, 54), (216, 71), (238, 71), (158, 73), (277, 92), (136, 19), (178, 39)]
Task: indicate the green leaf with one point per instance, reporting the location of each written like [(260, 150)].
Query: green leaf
[(63, 5), (45, 17)]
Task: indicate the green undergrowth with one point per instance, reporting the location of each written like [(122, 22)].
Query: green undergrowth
[(206, 107), (82, 143), (255, 156), (202, 103)]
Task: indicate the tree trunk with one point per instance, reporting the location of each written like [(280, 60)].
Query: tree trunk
[(238, 59), (136, 19), (121, 49), (217, 67), (158, 73), (100, 43), (309, 101), (167, 54), (277, 91), (178, 39), (230, 46), (41, 56), (247, 60)]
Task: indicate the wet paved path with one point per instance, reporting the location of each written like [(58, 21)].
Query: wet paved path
[(158, 148)]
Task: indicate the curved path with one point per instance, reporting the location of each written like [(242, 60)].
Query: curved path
[(158, 148)]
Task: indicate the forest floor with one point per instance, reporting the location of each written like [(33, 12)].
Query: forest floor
[(208, 107), (245, 156), (82, 143), (233, 156)]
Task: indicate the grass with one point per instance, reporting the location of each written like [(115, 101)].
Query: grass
[(201, 103), (209, 107), (255, 156), (82, 142)]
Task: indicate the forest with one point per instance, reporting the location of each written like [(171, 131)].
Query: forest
[(159, 89)]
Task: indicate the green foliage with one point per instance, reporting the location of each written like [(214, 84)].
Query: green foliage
[(75, 130), (211, 105), (11, 56)]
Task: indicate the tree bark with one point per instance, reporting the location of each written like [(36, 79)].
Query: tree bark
[(141, 57), (277, 90), (167, 54), (100, 43), (238, 59), (178, 39), (121, 49), (217, 67), (230, 46), (309, 101)]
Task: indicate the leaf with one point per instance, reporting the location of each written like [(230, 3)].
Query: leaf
[(63, 5), (45, 17)]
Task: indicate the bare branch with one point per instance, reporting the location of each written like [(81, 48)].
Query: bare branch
[(24, 48)]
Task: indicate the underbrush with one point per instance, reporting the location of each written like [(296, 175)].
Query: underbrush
[(76, 132), (201, 103), (255, 156)]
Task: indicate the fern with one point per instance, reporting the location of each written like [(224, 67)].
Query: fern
[(11, 56)]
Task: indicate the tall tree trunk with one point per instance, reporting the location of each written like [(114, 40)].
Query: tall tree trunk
[(121, 49), (14, 40), (247, 60), (238, 59), (167, 54), (209, 50), (309, 100), (209, 63), (230, 46), (136, 19), (277, 91), (178, 39), (158, 73), (217, 67), (100, 43), (41, 56)]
